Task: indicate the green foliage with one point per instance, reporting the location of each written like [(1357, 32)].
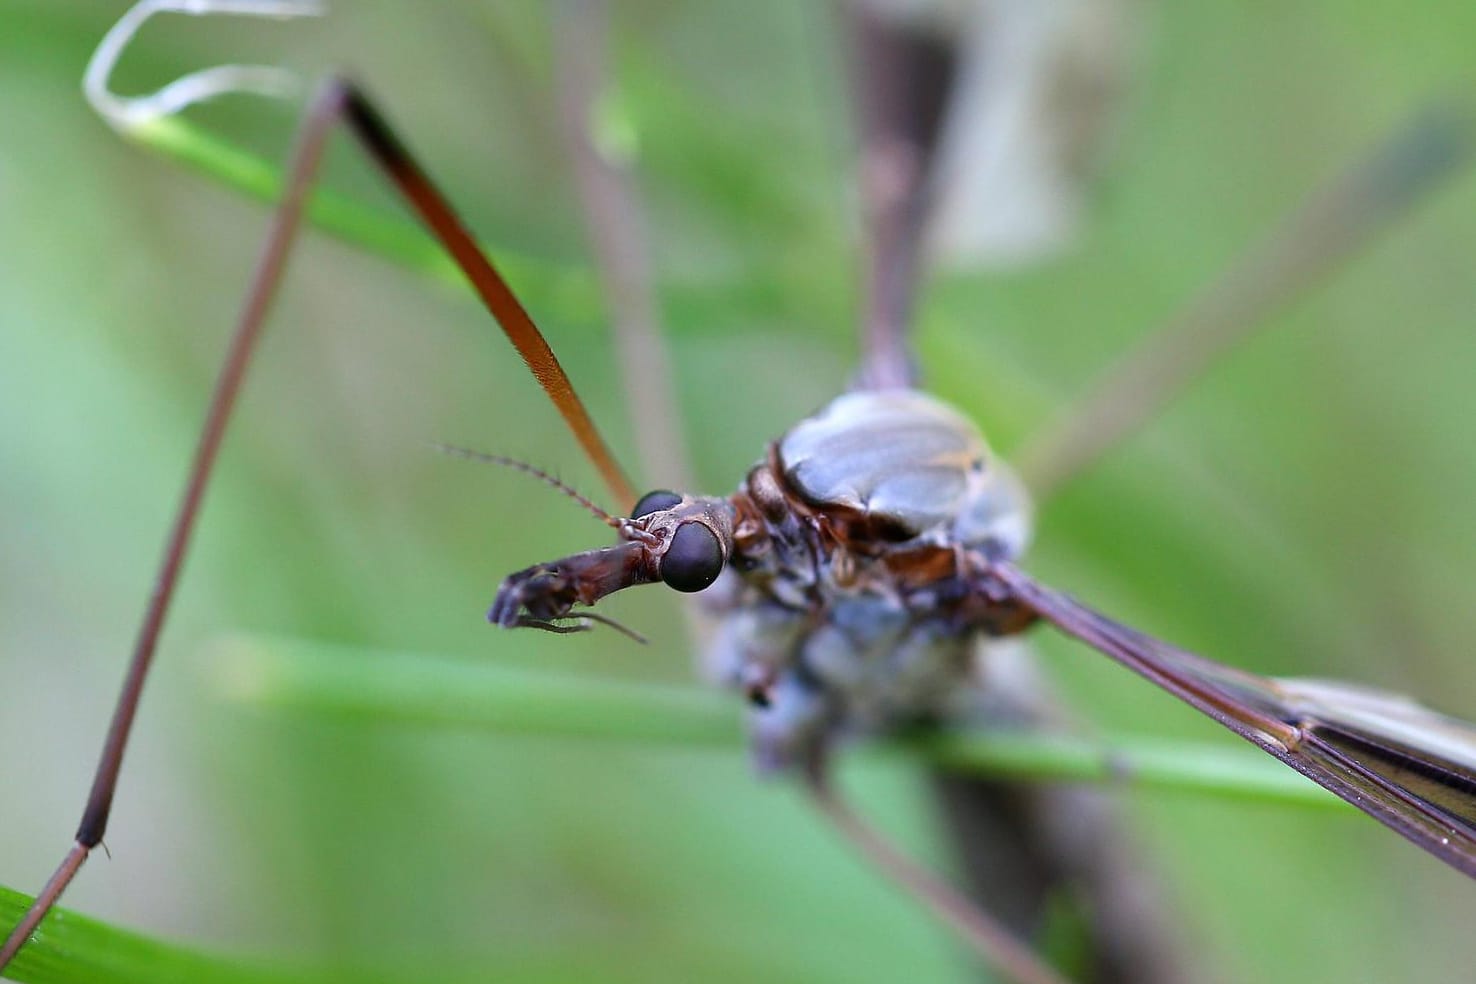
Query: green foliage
[(1303, 511), (420, 690), (72, 949)]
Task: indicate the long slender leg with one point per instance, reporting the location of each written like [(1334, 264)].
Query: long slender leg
[(903, 80), (904, 74), (1015, 856), (325, 109), (1332, 227), (994, 944), (614, 220), (617, 232), (618, 237), (391, 155), (337, 99)]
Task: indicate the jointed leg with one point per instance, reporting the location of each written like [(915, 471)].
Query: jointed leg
[(325, 109), (993, 943), (336, 100), (1334, 224), (904, 76), (613, 217)]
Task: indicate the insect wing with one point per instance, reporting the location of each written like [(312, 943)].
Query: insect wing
[(1403, 764), (1425, 754)]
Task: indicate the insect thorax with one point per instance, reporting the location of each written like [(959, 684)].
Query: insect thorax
[(852, 614)]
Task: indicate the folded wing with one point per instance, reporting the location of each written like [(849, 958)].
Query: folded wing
[(1407, 766)]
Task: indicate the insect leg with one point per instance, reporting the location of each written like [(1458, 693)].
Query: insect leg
[(904, 75), (1333, 225), (264, 281), (614, 225), (994, 944), (337, 99), (400, 167), (617, 236), (1016, 857)]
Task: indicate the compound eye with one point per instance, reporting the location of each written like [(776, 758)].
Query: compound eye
[(694, 559), (654, 502)]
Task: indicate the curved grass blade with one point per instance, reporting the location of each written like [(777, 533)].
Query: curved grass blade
[(564, 292), (73, 949)]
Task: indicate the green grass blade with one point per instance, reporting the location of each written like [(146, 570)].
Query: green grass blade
[(396, 239), (73, 949), (422, 690), (564, 292), (1216, 769)]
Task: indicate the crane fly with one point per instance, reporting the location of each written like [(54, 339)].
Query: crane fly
[(866, 551)]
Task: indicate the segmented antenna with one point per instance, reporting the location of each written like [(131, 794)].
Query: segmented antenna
[(536, 472)]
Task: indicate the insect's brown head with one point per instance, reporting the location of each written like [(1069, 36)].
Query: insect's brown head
[(683, 541), (693, 536)]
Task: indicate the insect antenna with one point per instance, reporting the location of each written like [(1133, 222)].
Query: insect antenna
[(533, 470)]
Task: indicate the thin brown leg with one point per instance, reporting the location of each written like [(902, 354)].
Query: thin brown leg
[(1331, 228), (268, 274), (614, 221), (397, 163), (335, 99), (992, 942), (617, 235), (904, 75)]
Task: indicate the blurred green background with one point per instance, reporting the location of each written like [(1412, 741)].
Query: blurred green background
[(1305, 510)]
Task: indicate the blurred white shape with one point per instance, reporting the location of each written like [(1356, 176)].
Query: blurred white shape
[(1040, 79), (130, 112)]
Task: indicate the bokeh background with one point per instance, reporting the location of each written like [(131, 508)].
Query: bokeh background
[(1305, 510)]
